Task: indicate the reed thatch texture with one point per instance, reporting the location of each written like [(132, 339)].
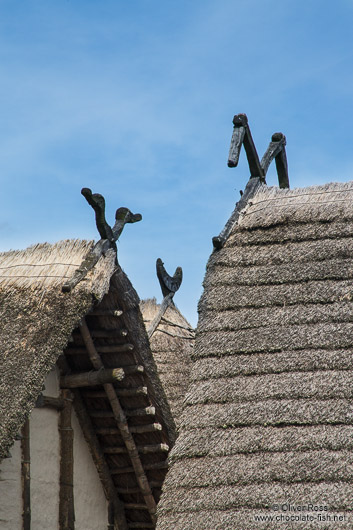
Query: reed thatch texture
[(37, 320), (97, 327), (268, 416), (172, 345)]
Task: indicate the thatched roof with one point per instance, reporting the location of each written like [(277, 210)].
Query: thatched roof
[(129, 425), (268, 414), (172, 344), (37, 320)]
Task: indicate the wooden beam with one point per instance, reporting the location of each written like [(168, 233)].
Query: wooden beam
[(111, 516), (92, 378), (146, 411), (121, 420), (115, 348), (106, 313), (141, 429), (100, 413), (26, 475), (66, 495), (122, 392), (144, 449), (135, 506), (49, 402), (166, 302), (251, 188), (106, 333), (147, 467), (100, 462), (133, 369), (137, 429), (142, 525), (130, 491)]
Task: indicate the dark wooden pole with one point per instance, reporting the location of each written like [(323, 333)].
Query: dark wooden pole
[(92, 378), (66, 496), (26, 476), (110, 516), (122, 424), (117, 507)]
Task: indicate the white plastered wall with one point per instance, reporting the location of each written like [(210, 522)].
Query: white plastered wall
[(91, 511), (91, 508), (11, 490)]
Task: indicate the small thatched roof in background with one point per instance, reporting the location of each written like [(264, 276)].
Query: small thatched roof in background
[(172, 346), (37, 319), (268, 414)]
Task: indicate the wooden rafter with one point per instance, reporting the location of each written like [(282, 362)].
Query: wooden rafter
[(122, 424), (92, 378), (97, 454), (26, 475), (100, 462), (66, 496)]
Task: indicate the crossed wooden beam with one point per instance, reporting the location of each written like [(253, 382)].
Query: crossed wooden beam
[(109, 235), (169, 285), (276, 150)]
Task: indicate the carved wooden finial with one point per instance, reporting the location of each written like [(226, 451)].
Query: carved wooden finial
[(169, 285), (276, 150), (258, 170), (98, 204), (109, 235)]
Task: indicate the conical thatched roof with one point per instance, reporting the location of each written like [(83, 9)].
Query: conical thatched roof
[(172, 344), (268, 415)]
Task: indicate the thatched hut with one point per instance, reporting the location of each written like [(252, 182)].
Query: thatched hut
[(266, 434), (103, 463), (172, 344)]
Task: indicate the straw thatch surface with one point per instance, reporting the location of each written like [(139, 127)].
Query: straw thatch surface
[(37, 320), (172, 345), (268, 416)]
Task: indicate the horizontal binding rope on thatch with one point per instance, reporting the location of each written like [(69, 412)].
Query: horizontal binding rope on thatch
[(263, 439), (283, 412), (43, 265), (272, 206)]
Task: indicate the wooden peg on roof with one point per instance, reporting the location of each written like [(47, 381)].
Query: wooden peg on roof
[(97, 202), (277, 150), (109, 235), (242, 135), (169, 285)]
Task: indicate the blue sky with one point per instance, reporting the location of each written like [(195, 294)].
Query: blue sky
[(135, 100)]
